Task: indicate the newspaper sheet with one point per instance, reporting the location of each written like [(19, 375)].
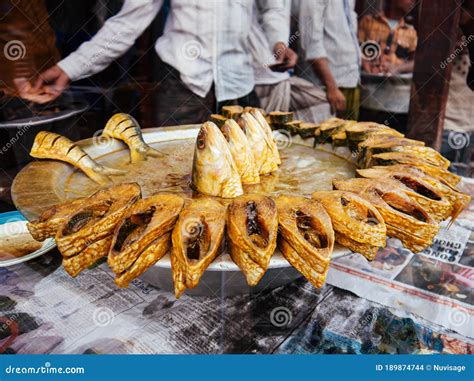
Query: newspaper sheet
[(436, 284)]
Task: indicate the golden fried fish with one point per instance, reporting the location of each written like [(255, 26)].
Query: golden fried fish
[(48, 145), (357, 223), (146, 221), (252, 226), (126, 128), (95, 218), (458, 200), (88, 257), (197, 240), (214, 170), (394, 158), (48, 223), (306, 236), (241, 152), (428, 154), (262, 152), (405, 218), (379, 144), (256, 113)]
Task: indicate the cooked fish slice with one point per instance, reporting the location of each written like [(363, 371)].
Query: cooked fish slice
[(426, 195), (459, 201), (48, 145), (144, 222), (262, 152), (197, 240), (214, 170), (126, 128), (363, 130), (405, 218), (379, 144), (241, 152), (357, 223), (268, 134), (306, 236), (95, 218), (329, 128), (48, 223), (252, 226), (394, 158), (87, 257), (429, 154), (148, 257)]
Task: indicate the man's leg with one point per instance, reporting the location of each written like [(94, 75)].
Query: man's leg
[(352, 95), (175, 104)]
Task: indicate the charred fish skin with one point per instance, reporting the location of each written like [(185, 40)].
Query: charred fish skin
[(306, 236), (147, 220), (48, 223), (260, 144), (357, 223), (95, 218), (48, 145), (241, 152), (405, 218), (197, 240), (252, 227), (126, 128), (214, 170)]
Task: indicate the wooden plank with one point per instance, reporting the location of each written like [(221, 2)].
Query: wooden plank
[(437, 38)]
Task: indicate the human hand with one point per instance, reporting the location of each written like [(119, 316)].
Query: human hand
[(336, 99), (285, 55), (54, 81)]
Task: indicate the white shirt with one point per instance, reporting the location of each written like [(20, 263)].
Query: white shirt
[(205, 40), (328, 29)]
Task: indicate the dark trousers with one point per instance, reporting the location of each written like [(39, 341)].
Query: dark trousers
[(175, 104)]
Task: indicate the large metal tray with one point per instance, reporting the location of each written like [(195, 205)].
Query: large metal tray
[(44, 183)]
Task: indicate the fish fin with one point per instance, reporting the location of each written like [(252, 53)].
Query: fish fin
[(109, 171), (137, 155), (153, 152)]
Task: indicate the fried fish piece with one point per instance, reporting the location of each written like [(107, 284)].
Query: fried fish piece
[(48, 223), (306, 236), (214, 170), (149, 256), (405, 218), (48, 145), (428, 154), (147, 220), (88, 257), (329, 128), (95, 218), (126, 128), (241, 152), (256, 113), (379, 144), (259, 143), (197, 240), (252, 226), (394, 158), (357, 223), (458, 200)]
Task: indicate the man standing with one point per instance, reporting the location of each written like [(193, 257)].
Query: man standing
[(204, 49), (329, 51)]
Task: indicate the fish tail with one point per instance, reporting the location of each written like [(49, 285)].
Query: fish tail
[(137, 155), (153, 152)]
